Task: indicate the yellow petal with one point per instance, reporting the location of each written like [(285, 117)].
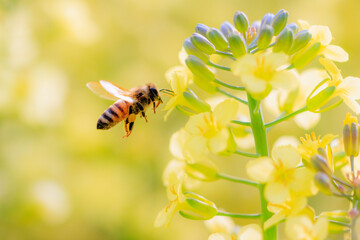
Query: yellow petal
[(351, 103), (303, 24), (250, 232), (285, 80), (287, 155), (307, 120), (220, 224), (287, 140), (351, 85), (331, 68), (274, 219), (218, 143), (276, 192), (174, 166), (258, 88), (165, 215), (226, 111), (177, 78), (260, 169), (220, 236), (244, 65), (177, 142), (299, 227), (196, 123), (335, 53), (321, 228), (196, 146), (303, 182), (321, 34), (275, 60)]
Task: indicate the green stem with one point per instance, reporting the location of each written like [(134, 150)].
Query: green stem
[(225, 54), (219, 66), (237, 215), (228, 85), (236, 179), (246, 154), (232, 96), (293, 114), (261, 145), (247, 124), (340, 223)]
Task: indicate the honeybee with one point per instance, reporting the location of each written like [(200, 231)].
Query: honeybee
[(128, 103)]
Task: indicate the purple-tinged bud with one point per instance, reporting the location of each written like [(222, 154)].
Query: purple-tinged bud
[(323, 182), (265, 36), (279, 21), (320, 164), (237, 44), (266, 20), (241, 21), (202, 29), (226, 28), (293, 27), (192, 50), (302, 38), (284, 41), (217, 38), (351, 136), (202, 43)]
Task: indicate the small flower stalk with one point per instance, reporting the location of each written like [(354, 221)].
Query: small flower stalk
[(266, 59)]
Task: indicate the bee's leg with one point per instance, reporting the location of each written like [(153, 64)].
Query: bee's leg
[(129, 124), (154, 107), (144, 116)]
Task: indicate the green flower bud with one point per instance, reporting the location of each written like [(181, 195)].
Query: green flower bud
[(320, 164), (293, 27), (323, 182), (196, 103), (284, 41), (198, 207), (217, 38), (304, 57), (226, 28), (237, 44), (241, 21), (320, 99), (351, 136), (338, 216), (266, 20), (265, 37), (199, 68), (279, 21), (207, 86), (192, 50), (302, 38), (202, 29), (202, 171), (202, 43)]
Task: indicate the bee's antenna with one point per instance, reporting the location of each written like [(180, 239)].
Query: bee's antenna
[(167, 91)]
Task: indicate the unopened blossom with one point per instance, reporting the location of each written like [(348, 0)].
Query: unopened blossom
[(262, 72)]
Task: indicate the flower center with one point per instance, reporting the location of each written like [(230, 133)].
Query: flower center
[(263, 70)]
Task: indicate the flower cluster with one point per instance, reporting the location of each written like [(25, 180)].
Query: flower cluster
[(265, 63)]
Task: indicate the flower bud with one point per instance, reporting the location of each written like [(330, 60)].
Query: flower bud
[(226, 28), (279, 21), (204, 171), (302, 38), (196, 103), (192, 50), (323, 182), (217, 38), (202, 29), (351, 136), (241, 21), (320, 99), (265, 37), (237, 44), (304, 57), (199, 68), (338, 216), (320, 164), (202, 43), (293, 27), (284, 41), (207, 86), (198, 207), (266, 20)]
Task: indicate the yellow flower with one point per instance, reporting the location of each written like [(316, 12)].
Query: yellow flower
[(281, 211), (311, 144), (250, 232), (281, 175), (222, 236), (209, 130), (262, 72), (176, 201), (348, 88), (220, 224), (302, 227), (323, 35)]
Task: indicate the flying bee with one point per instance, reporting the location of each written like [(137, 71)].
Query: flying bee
[(128, 103)]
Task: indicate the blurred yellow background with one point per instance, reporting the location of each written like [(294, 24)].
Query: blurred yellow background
[(60, 178)]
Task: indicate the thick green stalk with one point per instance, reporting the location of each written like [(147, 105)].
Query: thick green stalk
[(259, 132)]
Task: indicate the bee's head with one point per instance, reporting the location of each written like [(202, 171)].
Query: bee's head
[(153, 92)]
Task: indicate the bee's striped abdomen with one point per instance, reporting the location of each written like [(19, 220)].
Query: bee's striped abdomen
[(113, 115)]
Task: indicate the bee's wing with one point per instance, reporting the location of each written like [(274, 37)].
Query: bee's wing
[(109, 91)]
